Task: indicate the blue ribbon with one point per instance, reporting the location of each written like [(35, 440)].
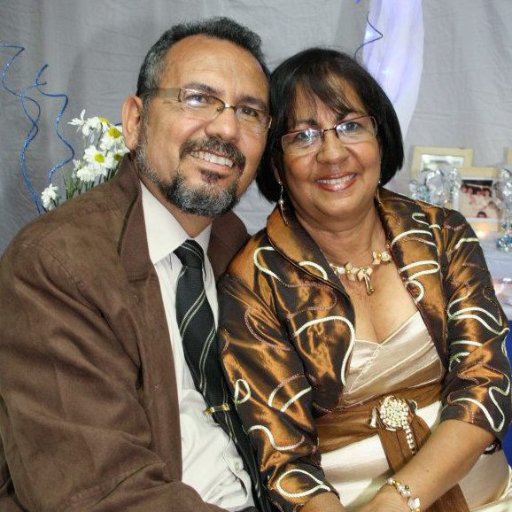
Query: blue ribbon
[(58, 118), (23, 97), (378, 35)]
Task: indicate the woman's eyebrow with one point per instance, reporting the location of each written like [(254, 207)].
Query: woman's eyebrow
[(309, 121)]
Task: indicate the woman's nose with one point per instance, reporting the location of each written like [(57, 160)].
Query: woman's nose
[(332, 149)]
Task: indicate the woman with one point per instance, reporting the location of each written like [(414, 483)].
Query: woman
[(359, 318)]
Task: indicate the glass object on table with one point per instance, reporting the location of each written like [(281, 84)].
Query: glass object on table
[(503, 288), (438, 186), (502, 189)]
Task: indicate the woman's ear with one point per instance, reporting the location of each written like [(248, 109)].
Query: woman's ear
[(131, 120), (276, 172), (280, 200)]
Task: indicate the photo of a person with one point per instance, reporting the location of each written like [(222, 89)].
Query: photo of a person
[(475, 199)]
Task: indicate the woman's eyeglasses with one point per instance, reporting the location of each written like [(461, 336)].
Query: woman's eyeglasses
[(309, 140)]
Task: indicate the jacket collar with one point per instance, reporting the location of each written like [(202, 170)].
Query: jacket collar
[(133, 245), (409, 234), (226, 236)]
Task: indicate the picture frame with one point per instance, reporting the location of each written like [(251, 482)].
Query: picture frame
[(476, 200), (485, 226), (508, 156), (477, 172), (431, 157)]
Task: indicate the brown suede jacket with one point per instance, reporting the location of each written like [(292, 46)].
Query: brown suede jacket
[(88, 404), (287, 333)]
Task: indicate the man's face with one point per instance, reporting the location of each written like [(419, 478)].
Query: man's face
[(197, 166)]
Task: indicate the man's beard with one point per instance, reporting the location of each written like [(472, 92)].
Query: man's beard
[(206, 200)]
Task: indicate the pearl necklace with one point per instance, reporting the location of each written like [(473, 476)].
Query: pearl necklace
[(354, 273)]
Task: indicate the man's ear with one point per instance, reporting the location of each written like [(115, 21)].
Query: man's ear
[(132, 120)]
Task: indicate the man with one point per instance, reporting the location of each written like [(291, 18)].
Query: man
[(99, 409)]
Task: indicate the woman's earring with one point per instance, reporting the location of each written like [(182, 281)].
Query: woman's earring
[(280, 203)]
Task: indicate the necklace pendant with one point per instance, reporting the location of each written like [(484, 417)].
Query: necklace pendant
[(369, 288), (353, 273)]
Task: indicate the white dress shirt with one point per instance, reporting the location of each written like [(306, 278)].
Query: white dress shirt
[(211, 463)]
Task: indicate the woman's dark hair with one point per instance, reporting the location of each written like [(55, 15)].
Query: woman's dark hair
[(317, 73)]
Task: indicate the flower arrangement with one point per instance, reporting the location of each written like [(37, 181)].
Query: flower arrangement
[(103, 149)]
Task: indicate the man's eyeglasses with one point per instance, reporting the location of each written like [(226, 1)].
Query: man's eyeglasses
[(206, 107), (309, 140)]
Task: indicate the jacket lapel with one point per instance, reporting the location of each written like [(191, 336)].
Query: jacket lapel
[(159, 392), (414, 242)]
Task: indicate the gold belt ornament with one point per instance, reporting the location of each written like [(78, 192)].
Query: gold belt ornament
[(396, 414)]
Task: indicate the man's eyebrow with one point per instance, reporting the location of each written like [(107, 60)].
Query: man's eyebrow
[(201, 87), (244, 100), (253, 101)]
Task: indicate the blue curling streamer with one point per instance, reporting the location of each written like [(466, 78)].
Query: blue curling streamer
[(23, 97), (58, 118), (31, 135), (378, 35)]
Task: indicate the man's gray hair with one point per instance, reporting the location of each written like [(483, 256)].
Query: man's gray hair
[(219, 28)]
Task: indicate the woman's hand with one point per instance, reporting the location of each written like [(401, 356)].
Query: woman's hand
[(429, 475), (325, 502), (386, 500)]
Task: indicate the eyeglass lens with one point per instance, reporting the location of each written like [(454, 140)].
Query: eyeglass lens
[(360, 129)]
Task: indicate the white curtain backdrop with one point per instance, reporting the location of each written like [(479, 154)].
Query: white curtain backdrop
[(393, 52), (94, 50)]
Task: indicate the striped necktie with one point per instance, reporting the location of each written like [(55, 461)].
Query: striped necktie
[(197, 328)]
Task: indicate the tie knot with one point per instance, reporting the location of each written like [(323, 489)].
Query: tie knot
[(190, 254)]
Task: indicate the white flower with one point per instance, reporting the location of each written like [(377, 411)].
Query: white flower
[(110, 160), (104, 149), (91, 127), (50, 197), (97, 159), (89, 173), (112, 139), (120, 153), (78, 121)]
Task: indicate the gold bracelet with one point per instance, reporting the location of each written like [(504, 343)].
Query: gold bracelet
[(405, 491)]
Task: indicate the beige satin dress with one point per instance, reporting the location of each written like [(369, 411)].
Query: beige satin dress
[(407, 358)]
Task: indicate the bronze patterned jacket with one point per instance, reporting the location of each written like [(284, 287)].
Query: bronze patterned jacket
[(287, 333)]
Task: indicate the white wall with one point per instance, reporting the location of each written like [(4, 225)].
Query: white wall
[(94, 50)]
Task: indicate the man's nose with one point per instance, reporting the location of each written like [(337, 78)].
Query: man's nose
[(225, 124)]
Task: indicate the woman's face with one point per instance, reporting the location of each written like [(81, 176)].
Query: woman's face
[(337, 182)]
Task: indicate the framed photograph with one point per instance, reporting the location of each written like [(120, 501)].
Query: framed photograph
[(431, 157), (509, 156), (475, 199)]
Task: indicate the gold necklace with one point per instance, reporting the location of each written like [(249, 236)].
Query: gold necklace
[(354, 273)]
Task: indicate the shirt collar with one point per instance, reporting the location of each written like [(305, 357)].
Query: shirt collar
[(164, 232)]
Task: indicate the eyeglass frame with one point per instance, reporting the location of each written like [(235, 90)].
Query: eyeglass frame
[(335, 128), (178, 91)]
